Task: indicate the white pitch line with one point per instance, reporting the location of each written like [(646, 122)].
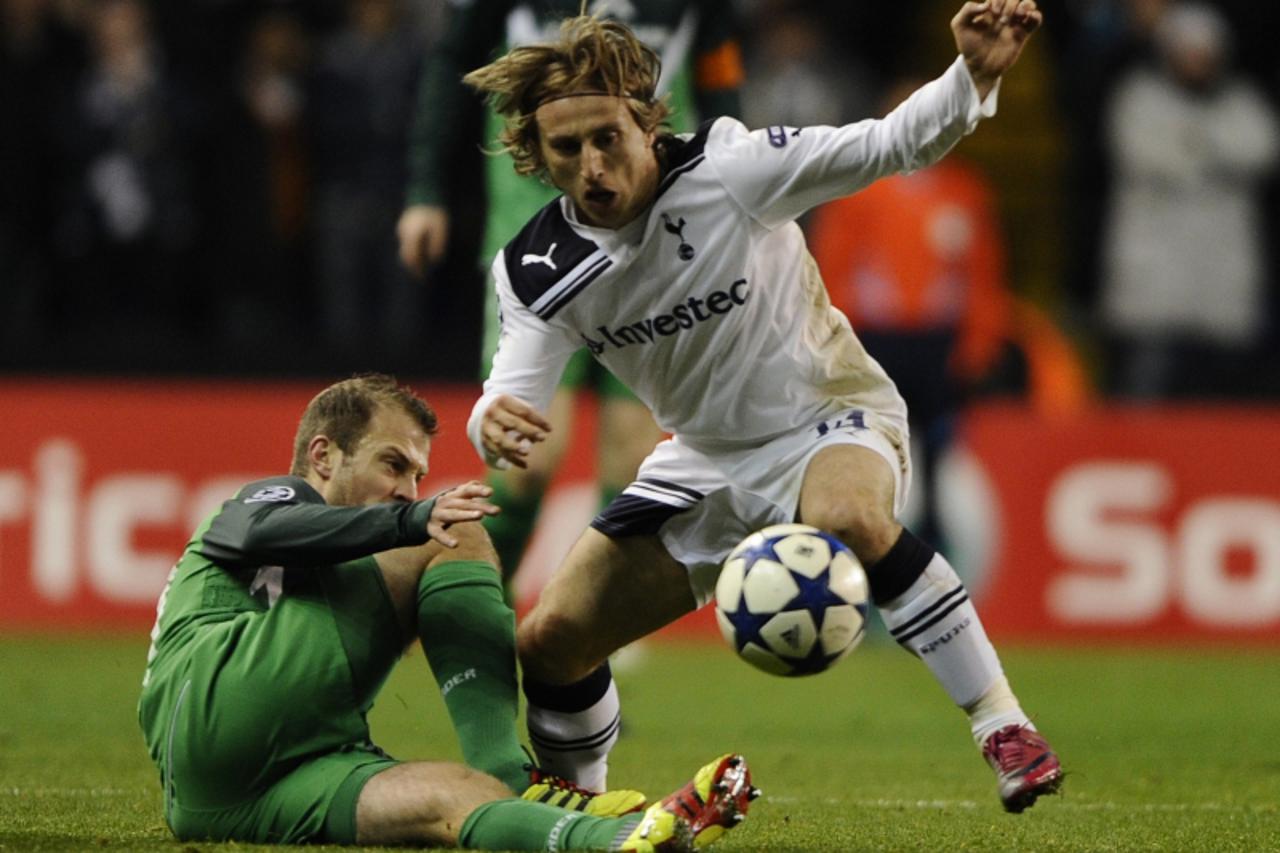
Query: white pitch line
[(1057, 803)]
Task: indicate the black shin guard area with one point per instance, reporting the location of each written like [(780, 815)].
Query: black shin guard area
[(897, 570), (567, 698)]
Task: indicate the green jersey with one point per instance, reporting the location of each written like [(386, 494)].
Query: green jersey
[(246, 555), (272, 638)]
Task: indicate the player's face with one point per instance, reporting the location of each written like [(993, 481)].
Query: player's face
[(386, 465), (599, 157)]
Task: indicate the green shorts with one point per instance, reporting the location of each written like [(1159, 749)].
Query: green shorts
[(258, 723)]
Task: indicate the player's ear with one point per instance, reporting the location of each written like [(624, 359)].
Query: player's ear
[(323, 456), (532, 140)]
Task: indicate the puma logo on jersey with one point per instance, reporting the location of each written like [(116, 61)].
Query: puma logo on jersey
[(686, 315), (684, 251), (540, 259)]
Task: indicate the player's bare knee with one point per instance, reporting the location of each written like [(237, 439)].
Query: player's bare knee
[(473, 544), (422, 803), (865, 527), (535, 644), (550, 649), (484, 788)]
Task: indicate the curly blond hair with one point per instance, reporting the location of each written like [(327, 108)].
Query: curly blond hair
[(591, 57)]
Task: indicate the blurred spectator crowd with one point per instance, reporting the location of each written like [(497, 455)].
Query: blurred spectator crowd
[(212, 187)]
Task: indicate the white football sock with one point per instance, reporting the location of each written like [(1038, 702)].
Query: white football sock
[(576, 744), (935, 620), (997, 708)]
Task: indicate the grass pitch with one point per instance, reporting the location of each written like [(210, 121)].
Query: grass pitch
[(1165, 749)]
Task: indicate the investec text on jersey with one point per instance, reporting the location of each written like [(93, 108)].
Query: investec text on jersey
[(683, 316)]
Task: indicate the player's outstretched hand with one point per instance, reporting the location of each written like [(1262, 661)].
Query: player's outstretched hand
[(510, 429), (990, 36), (468, 502), (423, 232)]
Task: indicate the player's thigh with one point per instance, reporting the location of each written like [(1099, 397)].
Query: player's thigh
[(421, 803), (401, 571), (314, 803), (849, 490), (608, 592), (628, 434), (366, 629), (265, 690)]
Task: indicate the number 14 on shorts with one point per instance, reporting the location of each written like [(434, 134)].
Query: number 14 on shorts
[(850, 420)]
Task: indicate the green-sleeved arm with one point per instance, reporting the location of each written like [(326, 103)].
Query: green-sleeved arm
[(283, 521), (717, 61), (475, 30)]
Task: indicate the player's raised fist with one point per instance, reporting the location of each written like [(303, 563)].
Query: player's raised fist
[(990, 37)]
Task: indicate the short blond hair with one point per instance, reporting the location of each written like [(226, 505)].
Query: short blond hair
[(591, 57), (343, 412)]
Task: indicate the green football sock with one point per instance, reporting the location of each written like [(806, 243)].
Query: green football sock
[(523, 825), (511, 529), (468, 633)]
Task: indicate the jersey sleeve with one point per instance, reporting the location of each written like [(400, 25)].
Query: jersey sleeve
[(530, 358), (778, 173), (284, 522), (475, 28)]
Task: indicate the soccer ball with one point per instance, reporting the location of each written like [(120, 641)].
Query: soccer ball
[(792, 600)]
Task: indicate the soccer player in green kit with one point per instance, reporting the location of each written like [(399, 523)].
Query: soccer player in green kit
[(698, 41), (283, 618)]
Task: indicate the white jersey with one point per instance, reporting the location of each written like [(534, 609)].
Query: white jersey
[(709, 306)]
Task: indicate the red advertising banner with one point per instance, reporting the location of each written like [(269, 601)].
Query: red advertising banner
[(1125, 524), (1132, 523)]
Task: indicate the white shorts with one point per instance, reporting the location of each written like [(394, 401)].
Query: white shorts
[(702, 504)]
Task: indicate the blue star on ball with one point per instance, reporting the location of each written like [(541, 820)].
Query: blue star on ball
[(814, 595)]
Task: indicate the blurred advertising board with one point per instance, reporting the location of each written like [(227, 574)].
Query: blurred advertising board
[(1134, 525)]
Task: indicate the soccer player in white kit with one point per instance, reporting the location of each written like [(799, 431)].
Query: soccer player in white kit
[(677, 262)]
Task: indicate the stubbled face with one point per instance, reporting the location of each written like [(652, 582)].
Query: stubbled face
[(599, 157), (385, 466)]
